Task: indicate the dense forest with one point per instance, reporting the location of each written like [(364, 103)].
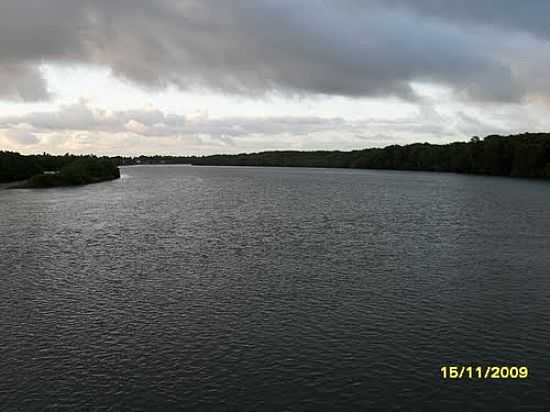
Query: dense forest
[(82, 171), (524, 155), (49, 171)]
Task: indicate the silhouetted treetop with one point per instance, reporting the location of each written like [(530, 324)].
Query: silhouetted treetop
[(525, 155)]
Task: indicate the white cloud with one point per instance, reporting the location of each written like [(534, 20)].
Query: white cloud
[(82, 128)]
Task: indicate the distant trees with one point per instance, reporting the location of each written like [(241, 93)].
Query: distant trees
[(66, 170), (84, 170), (14, 166), (525, 155), (89, 170)]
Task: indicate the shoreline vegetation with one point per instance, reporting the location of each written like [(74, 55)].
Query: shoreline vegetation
[(44, 171), (523, 155)]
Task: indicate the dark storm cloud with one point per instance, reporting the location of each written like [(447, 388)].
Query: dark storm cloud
[(367, 48), (528, 15)]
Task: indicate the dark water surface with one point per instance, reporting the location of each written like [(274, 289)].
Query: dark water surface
[(249, 289)]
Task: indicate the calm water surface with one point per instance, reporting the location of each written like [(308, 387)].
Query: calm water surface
[(248, 289)]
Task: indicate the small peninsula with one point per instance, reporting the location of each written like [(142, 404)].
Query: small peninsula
[(44, 171)]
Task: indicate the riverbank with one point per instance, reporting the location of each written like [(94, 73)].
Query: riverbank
[(13, 185)]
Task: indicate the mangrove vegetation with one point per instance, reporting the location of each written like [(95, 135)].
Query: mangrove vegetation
[(41, 171), (524, 155)]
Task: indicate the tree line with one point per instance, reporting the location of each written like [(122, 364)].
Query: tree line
[(48, 170), (523, 155)]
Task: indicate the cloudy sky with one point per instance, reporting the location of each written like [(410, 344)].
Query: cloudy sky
[(226, 76)]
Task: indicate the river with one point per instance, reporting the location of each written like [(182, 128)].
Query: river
[(232, 288)]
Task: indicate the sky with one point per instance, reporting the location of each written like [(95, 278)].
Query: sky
[(181, 77)]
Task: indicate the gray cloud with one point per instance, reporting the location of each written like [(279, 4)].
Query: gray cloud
[(529, 16), (154, 123), (21, 137), (22, 82), (353, 48)]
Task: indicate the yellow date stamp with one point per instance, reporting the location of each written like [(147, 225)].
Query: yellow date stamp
[(458, 372)]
